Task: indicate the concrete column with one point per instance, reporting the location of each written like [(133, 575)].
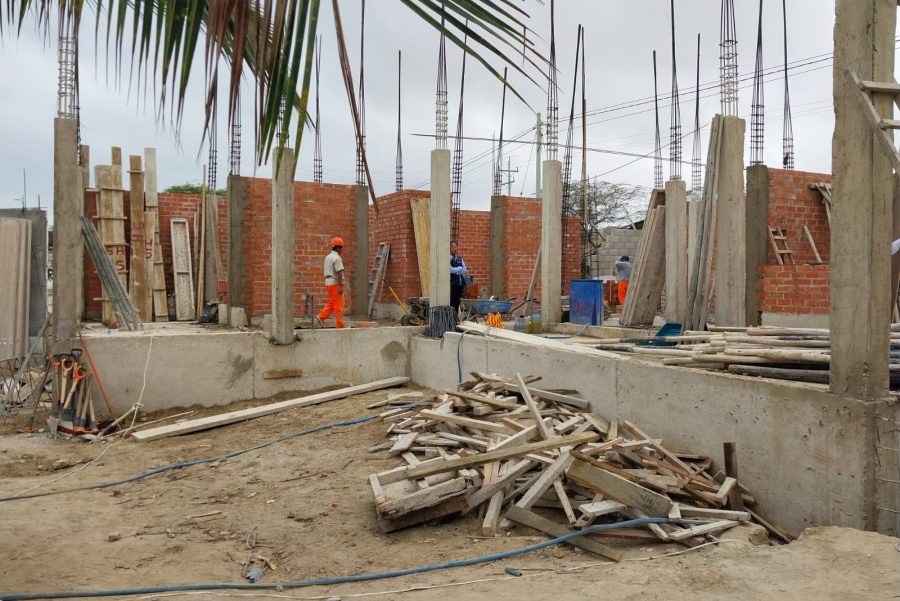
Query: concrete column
[(731, 227), (551, 243), (283, 249), (863, 197), (68, 250), (676, 250), (439, 257), (497, 244), (237, 204), (757, 236), (360, 299)]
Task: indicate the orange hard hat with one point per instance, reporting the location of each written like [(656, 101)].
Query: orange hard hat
[(337, 241)]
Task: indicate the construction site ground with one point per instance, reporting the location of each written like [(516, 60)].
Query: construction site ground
[(306, 507)]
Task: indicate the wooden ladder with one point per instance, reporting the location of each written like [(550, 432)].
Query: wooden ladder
[(376, 277), (776, 235), (883, 127)]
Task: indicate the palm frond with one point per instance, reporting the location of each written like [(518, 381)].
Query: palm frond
[(273, 40)]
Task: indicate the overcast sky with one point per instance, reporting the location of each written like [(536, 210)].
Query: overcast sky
[(620, 37)]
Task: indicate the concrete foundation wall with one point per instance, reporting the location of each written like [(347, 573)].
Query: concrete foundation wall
[(804, 453), (219, 367)]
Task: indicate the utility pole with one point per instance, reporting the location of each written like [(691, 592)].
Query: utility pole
[(540, 140), (508, 172)]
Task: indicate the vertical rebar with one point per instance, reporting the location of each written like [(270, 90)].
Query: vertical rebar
[(398, 166), (657, 150), (675, 132), (66, 100), (234, 149), (361, 141), (552, 97), (728, 65), (788, 133), (697, 158), (456, 177), (568, 208), (498, 168), (441, 96), (317, 151), (758, 104)]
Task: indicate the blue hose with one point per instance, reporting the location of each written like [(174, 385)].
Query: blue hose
[(335, 579), (184, 464)]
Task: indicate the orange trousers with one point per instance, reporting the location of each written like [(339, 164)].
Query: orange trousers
[(335, 305), (623, 289)]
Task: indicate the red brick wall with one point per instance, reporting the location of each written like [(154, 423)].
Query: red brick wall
[(792, 204), (795, 289), (801, 286), (321, 211), (393, 224)]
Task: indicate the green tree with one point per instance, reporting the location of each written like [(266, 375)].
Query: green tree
[(274, 41), (188, 188)]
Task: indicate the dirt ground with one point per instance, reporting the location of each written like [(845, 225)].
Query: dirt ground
[(305, 506)]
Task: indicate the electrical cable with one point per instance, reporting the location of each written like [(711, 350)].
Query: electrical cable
[(335, 579), (184, 464)]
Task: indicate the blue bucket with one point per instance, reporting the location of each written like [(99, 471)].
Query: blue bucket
[(586, 302)]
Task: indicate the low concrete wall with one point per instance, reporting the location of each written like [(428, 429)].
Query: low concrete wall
[(807, 455), (216, 367)]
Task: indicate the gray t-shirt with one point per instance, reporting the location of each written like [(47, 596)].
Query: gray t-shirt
[(623, 270), (333, 265)]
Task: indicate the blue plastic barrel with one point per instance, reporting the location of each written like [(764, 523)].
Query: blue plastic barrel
[(586, 302)]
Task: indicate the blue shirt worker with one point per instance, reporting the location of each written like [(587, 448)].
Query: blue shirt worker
[(457, 276)]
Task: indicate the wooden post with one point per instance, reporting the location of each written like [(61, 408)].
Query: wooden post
[(138, 275), (735, 499)]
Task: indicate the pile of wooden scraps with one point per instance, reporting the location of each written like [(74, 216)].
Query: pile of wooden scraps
[(800, 354), (502, 447)]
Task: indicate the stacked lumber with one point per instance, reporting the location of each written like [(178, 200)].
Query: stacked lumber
[(799, 354), (502, 447), (648, 275)]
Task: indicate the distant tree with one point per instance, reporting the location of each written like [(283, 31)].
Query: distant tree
[(193, 189), (609, 204)]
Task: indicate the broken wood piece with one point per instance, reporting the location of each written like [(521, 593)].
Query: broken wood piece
[(554, 529), (619, 489), (713, 514), (395, 507), (468, 422), (546, 432), (596, 509), (680, 535), (725, 489), (215, 421), (735, 498), (545, 481), (489, 489), (564, 501), (403, 443)]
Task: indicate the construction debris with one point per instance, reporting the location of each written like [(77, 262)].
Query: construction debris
[(501, 447)]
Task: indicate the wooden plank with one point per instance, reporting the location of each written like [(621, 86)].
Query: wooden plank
[(487, 491), (214, 421), (15, 273), (426, 497), (421, 218), (725, 488), (680, 535), (182, 270), (403, 443), (451, 506), (560, 398), (111, 227), (599, 508), (554, 529), (139, 276), (151, 192), (480, 399), (427, 469), (564, 501), (618, 488), (735, 498), (550, 475), (713, 514), (646, 286), (467, 422), (545, 430), (492, 514)]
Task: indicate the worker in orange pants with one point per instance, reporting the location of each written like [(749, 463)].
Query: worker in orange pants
[(623, 274), (334, 284)]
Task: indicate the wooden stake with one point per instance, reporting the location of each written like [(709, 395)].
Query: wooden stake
[(735, 500)]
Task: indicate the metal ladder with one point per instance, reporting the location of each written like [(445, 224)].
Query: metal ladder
[(376, 277)]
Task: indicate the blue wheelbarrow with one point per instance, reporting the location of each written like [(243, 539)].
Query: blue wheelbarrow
[(479, 308)]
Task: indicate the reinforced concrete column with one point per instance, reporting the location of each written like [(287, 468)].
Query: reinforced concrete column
[(237, 204), (551, 243), (757, 236), (439, 253), (68, 251), (863, 197), (676, 250), (360, 299), (731, 227), (497, 245), (283, 249)]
